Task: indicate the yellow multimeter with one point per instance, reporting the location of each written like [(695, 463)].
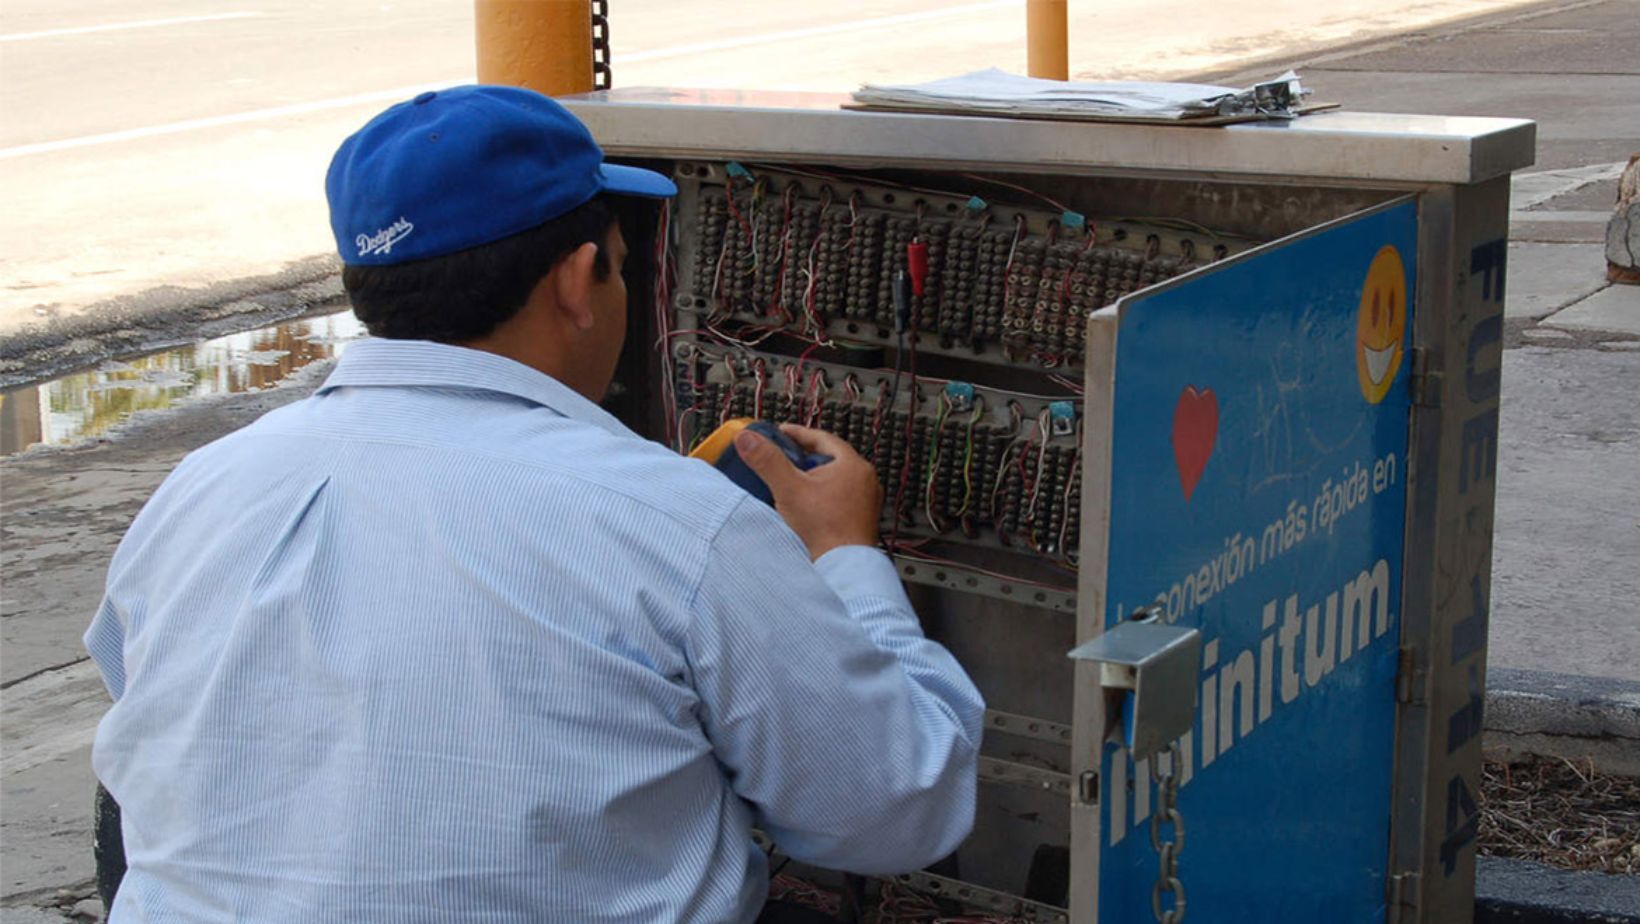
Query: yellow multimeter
[(718, 450)]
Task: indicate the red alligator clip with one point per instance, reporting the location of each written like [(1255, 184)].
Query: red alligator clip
[(916, 260)]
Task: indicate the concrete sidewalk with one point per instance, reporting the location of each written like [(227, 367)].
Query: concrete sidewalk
[(1564, 641), (1565, 594)]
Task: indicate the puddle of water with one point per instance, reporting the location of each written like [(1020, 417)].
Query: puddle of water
[(86, 404)]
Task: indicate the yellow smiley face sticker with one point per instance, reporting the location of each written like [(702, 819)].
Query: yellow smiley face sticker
[(1380, 324)]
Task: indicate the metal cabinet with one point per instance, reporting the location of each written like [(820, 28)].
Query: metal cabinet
[(1243, 380)]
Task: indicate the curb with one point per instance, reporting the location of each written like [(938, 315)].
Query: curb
[(1565, 715), (168, 317), (1578, 718), (1521, 892)]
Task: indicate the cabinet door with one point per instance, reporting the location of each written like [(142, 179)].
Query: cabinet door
[(1248, 440)]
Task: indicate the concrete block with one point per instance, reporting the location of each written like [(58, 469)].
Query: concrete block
[(1564, 715), (1564, 704), (1546, 277), (1614, 308), (1521, 892)]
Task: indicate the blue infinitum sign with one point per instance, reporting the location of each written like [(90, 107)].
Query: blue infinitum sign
[(1258, 493)]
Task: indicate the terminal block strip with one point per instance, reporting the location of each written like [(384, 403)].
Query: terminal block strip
[(953, 576), (956, 461), (782, 295), (988, 900), (817, 256)]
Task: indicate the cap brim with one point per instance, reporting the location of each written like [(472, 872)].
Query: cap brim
[(635, 181)]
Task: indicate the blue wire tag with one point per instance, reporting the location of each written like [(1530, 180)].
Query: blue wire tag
[(736, 171), (977, 204), (960, 393), (1073, 219)]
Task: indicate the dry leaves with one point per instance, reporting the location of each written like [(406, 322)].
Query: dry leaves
[(1562, 813)]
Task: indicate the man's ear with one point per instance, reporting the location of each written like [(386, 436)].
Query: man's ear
[(573, 278)]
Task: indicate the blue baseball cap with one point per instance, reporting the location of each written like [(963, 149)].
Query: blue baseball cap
[(457, 168)]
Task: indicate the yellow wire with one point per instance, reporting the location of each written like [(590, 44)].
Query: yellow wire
[(968, 458)]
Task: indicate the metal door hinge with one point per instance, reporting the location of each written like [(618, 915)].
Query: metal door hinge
[(1409, 678), (1087, 787), (1425, 382), (1403, 899)]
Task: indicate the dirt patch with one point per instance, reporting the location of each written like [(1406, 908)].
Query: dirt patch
[(1561, 813)]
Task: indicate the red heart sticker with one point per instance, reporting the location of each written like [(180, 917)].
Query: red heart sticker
[(1195, 428)]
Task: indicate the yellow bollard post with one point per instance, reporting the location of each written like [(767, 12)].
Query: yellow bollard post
[(1047, 48), (544, 45)]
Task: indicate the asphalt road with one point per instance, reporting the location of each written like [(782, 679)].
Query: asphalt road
[(152, 147)]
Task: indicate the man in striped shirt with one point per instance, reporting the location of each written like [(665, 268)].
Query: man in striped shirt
[(447, 642)]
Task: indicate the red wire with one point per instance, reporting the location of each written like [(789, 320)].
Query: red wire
[(745, 226), (877, 420), (1025, 482)]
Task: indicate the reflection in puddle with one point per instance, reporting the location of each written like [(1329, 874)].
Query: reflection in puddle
[(88, 403)]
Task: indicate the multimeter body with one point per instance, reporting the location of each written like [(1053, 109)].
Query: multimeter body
[(718, 449)]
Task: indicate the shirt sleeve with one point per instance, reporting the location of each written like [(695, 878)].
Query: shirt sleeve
[(854, 737)]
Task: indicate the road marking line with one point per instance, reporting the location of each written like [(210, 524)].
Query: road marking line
[(678, 51), (276, 112), (140, 24), (254, 115)]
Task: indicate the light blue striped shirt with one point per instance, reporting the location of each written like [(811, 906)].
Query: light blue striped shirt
[(446, 642)]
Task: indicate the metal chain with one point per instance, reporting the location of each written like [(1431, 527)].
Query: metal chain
[(602, 77), (1167, 811)]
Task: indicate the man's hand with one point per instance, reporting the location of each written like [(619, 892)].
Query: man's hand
[(836, 504)]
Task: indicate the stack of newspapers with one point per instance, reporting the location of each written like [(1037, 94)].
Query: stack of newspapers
[(997, 92)]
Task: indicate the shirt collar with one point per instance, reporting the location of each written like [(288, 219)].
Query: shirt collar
[(420, 363)]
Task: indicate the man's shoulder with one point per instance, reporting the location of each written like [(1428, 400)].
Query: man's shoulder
[(644, 474), (539, 457), (234, 450)]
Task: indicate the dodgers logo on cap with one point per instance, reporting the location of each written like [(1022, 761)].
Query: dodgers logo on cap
[(458, 168)]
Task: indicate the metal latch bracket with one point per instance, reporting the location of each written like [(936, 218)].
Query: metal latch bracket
[(1158, 667)]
